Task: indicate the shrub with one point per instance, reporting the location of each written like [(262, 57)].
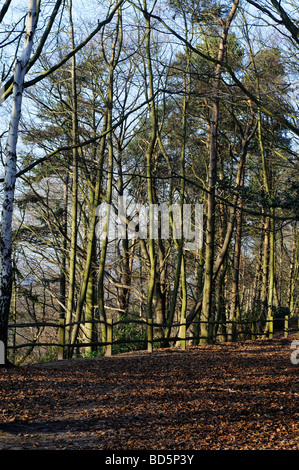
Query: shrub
[(128, 331)]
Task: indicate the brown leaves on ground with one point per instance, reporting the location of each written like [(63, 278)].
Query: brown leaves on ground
[(217, 397)]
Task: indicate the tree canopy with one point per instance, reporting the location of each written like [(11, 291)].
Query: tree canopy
[(178, 104)]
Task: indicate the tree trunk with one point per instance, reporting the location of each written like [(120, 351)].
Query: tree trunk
[(265, 267), (126, 248), (90, 250), (187, 89), (10, 174), (235, 306), (149, 157), (212, 178), (293, 269), (110, 93), (89, 310), (74, 228)]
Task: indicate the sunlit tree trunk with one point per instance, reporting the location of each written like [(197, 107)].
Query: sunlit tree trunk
[(149, 160), (125, 248), (212, 178), (293, 270), (88, 275), (115, 52), (74, 210), (235, 307), (10, 173), (187, 89), (269, 242)]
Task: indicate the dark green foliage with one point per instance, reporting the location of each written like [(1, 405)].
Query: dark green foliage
[(127, 331)]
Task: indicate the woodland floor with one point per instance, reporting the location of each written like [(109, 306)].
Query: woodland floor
[(231, 396)]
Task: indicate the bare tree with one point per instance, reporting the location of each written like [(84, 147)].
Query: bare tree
[(10, 172)]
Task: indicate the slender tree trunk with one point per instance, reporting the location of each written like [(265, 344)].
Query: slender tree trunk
[(90, 250), (160, 288), (89, 308), (272, 247), (10, 174), (239, 183), (126, 249), (74, 212), (187, 89), (269, 247), (199, 270), (63, 258), (104, 246), (110, 95), (265, 267), (149, 159), (292, 275), (212, 178), (257, 281), (235, 304), (220, 305), (89, 271)]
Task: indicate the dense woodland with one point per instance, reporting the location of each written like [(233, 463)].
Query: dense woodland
[(180, 102)]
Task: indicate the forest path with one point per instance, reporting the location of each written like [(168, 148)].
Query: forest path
[(231, 396)]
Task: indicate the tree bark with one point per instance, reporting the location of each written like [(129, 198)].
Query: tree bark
[(10, 174), (212, 177), (110, 93), (74, 228), (149, 157), (293, 273)]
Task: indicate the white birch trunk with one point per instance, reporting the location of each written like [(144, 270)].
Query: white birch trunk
[(10, 173)]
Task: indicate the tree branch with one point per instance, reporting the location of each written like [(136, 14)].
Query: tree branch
[(9, 84), (262, 107)]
